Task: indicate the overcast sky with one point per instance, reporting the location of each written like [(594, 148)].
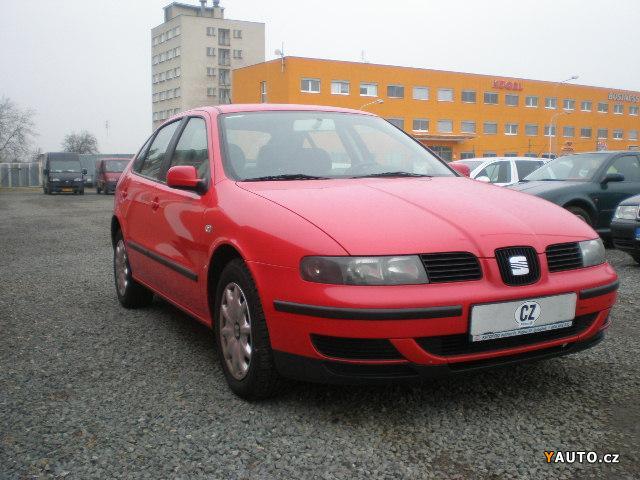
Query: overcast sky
[(79, 63)]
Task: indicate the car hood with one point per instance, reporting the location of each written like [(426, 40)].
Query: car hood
[(376, 216), (542, 188)]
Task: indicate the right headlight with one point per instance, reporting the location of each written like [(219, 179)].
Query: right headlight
[(592, 252), (54, 180), (627, 212), (391, 270)]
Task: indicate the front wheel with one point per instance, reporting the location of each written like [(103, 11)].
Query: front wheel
[(130, 293), (582, 214), (98, 190), (242, 337)]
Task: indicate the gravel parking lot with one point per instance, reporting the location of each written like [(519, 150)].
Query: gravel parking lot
[(90, 390)]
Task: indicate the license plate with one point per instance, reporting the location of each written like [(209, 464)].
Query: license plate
[(67, 189), (522, 317)]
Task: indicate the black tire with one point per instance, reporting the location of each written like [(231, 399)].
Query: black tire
[(133, 295), (81, 192), (636, 257), (98, 191), (261, 379), (582, 214)]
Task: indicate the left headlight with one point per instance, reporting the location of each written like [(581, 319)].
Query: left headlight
[(627, 212), (391, 270), (592, 252), (77, 179)]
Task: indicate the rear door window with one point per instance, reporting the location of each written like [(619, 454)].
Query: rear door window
[(524, 168), (628, 166), (497, 172), (151, 166)]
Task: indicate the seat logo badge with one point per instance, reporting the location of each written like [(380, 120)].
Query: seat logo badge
[(527, 314), (519, 265), (208, 228)]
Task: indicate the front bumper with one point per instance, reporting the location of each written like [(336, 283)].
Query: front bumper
[(75, 187), (400, 324), (626, 235)]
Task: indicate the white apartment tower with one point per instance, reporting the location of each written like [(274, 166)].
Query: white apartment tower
[(193, 54)]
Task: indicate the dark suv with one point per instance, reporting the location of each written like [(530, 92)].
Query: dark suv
[(62, 173)]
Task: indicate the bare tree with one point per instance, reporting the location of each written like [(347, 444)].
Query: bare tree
[(16, 132), (83, 142)]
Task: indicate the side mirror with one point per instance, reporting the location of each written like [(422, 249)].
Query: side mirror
[(461, 168), (612, 177), (45, 171), (483, 179), (84, 171), (185, 177)]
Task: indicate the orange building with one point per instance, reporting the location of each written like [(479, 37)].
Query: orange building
[(459, 115)]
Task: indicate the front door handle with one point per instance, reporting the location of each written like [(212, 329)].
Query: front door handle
[(155, 204)]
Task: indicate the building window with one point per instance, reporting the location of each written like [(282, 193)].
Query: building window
[(445, 95), (603, 133), (585, 132), (633, 110), (177, 51), (211, 72), (224, 77), (445, 126), (169, 74), (420, 93), (224, 57), (551, 102), (510, 128), (549, 130), (397, 122), (618, 109), (465, 155), (633, 134), (618, 134), (568, 131), (490, 128), (489, 154), (531, 101), (177, 92), (178, 71), (211, 92), (469, 96), (225, 95), (468, 126), (531, 129), (511, 100), (395, 91), (177, 31), (340, 87), (237, 54), (569, 104), (603, 107), (368, 89), (511, 154), (310, 85), (531, 155), (263, 92), (211, 52), (420, 125), (162, 76), (586, 105), (490, 98), (237, 34), (224, 39), (211, 31)]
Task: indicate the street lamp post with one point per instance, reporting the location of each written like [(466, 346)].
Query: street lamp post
[(553, 117), (375, 102)]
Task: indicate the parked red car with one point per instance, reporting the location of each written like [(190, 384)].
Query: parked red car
[(108, 171), (325, 244)]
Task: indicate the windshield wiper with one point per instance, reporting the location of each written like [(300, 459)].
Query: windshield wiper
[(392, 174), (288, 176)]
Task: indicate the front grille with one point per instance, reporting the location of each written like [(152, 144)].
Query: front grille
[(371, 371), (356, 348), (508, 271), (460, 344), (564, 256), (451, 267)]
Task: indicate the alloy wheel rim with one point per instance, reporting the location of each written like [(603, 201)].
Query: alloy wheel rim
[(235, 331), (122, 268)]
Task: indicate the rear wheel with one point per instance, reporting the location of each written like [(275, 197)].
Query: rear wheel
[(130, 293), (98, 191), (582, 214), (242, 338)]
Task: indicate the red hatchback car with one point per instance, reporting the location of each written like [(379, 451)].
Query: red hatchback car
[(325, 244)]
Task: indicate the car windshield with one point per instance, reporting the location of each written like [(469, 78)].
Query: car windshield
[(115, 166), (472, 164), (65, 166), (309, 145), (581, 167)]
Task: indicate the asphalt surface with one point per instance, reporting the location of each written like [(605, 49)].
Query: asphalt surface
[(90, 390)]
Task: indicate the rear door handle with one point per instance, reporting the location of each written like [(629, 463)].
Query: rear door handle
[(155, 204)]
